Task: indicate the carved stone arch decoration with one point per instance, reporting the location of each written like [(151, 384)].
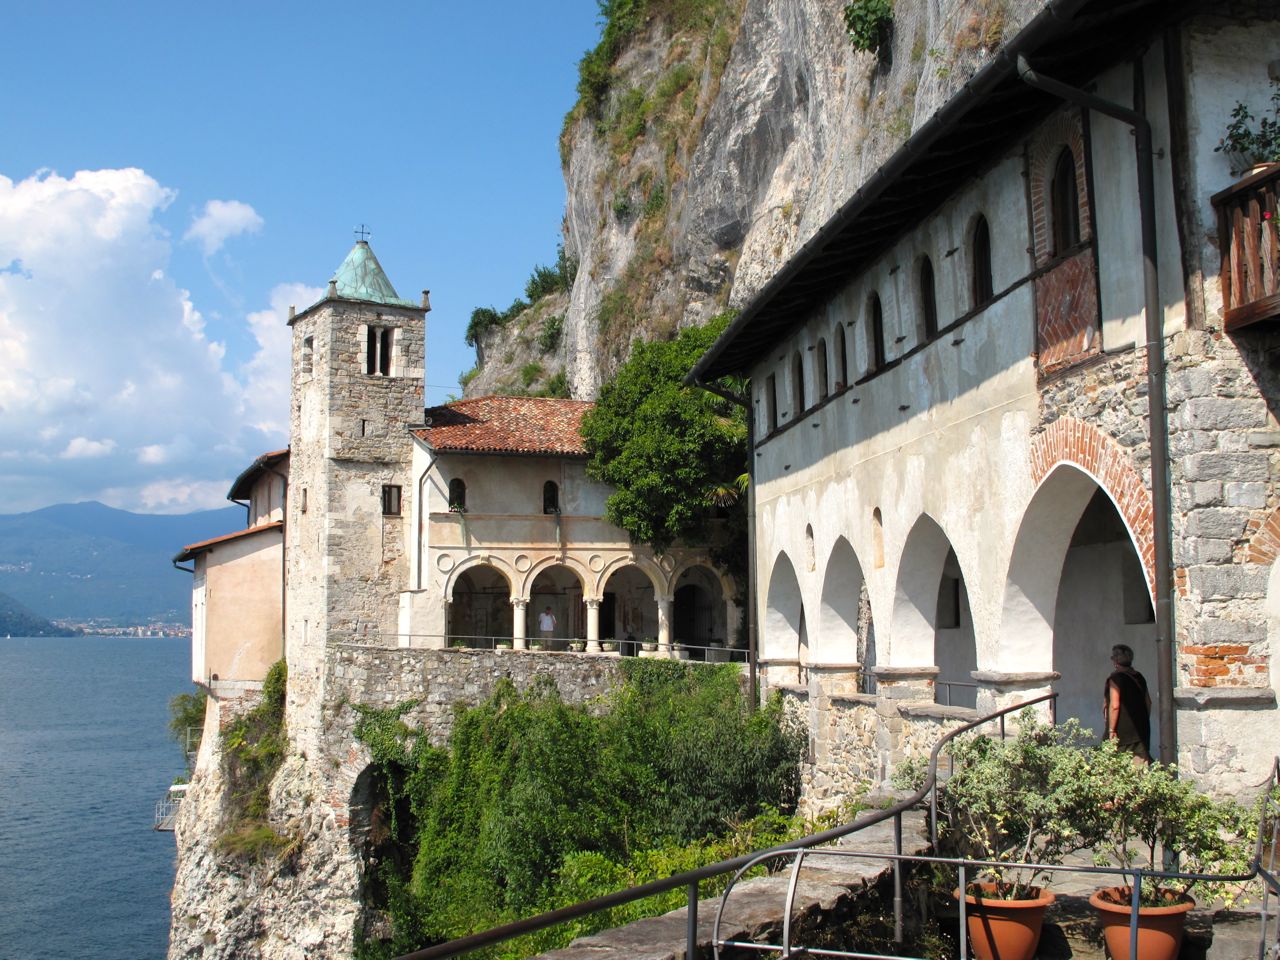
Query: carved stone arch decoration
[(650, 569), (727, 585), (1064, 129), (1071, 441), (478, 560), (580, 570)]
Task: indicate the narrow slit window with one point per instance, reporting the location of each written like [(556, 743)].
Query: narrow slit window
[(797, 382), (384, 353), (390, 500), (983, 288), (1064, 202), (820, 360), (876, 325), (928, 299), (771, 402), (308, 355), (842, 359)]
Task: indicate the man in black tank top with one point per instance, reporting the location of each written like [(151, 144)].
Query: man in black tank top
[(1126, 706)]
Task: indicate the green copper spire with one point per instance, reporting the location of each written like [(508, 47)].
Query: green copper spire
[(361, 278)]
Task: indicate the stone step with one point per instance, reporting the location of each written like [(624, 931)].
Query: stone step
[(828, 885)]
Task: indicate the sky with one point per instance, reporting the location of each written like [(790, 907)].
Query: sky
[(173, 176)]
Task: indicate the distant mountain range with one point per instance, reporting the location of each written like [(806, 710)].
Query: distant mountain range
[(88, 561)]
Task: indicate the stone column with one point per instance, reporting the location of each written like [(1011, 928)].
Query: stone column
[(593, 626), (665, 609), (519, 607)]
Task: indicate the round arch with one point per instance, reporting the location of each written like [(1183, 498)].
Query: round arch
[(579, 570), (783, 624), (479, 604), (470, 563), (647, 567), (1076, 585), (915, 598), (727, 586), (836, 637)]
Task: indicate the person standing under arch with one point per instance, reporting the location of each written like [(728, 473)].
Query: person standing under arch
[(1126, 706)]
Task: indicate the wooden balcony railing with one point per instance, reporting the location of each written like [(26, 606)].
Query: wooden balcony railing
[(1249, 237)]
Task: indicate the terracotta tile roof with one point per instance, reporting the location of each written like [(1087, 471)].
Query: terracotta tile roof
[(242, 486), (191, 549), (494, 424)]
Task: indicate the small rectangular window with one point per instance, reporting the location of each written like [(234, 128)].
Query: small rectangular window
[(302, 506), (771, 402), (390, 500), (308, 353)]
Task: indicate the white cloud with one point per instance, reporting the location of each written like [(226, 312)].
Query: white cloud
[(108, 373), (220, 221), (82, 448), (266, 375)]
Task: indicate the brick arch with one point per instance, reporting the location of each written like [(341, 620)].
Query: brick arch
[(1064, 129), (1072, 441), (1264, 543)]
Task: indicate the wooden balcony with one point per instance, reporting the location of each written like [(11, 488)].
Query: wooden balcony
[(1249, 238)]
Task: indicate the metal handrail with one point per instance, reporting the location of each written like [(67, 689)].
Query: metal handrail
[(503, 642), (1269, 808), (690, 879)]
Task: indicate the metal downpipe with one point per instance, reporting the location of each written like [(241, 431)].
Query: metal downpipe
[(1161, 511)]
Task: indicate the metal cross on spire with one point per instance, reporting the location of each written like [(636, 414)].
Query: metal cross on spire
[(362, 233)]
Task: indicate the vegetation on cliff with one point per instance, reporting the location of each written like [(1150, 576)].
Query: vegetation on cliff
[(537, 803), (673, 453), (253, 747)]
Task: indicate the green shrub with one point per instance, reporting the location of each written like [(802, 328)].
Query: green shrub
[(557, 386), (537, 803), (549, 335), (253, 747), (530, 372), (868, 23), (186, 712), (484, 319)]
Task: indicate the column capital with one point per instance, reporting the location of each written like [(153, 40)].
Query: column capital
[(592, 604), (519, 602)]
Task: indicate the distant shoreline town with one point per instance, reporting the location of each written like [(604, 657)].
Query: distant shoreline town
[(99, 629)]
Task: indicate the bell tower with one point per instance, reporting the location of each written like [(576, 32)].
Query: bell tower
[(357, 388)]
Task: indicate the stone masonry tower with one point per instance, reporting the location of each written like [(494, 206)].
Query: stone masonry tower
[(358, 360)]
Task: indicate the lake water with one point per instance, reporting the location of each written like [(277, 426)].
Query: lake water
[(84, 755)]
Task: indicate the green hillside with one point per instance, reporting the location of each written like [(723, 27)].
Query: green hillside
[(17, 621), (88, 561)]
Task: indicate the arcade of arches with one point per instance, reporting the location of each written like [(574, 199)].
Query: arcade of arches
[(1076, 584), (631, 604)]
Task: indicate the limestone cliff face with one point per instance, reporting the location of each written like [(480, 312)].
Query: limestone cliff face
[(777, 133)]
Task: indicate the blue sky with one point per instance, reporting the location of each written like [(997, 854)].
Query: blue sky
[(174, 175)]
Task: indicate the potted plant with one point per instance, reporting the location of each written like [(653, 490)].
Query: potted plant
[(577, 646), (1247, 146), (1150, 814), (609, 646), (502, 644), (648, 644), (1022, 800)]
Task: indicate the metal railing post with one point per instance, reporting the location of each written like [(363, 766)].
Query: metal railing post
[(691, 927), (964, 914), (897, 878), (1133, 917)]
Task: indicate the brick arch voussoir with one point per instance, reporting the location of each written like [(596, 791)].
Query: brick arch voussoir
[(1264, 544), (1071, 441)]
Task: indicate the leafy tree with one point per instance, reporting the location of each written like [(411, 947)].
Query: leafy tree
[(670, 451)]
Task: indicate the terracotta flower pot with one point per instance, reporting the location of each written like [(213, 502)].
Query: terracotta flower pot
[(1159, 928), (1004, 929)]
